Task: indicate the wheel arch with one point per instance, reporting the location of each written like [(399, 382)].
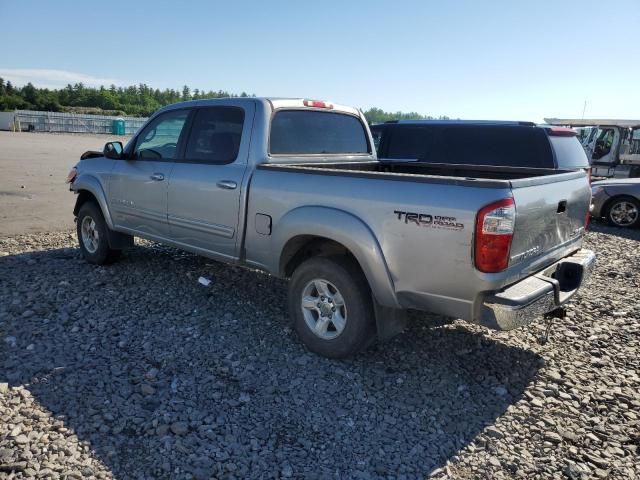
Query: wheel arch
[(301, 247), (89, 188), (84, 196), (324, 231)]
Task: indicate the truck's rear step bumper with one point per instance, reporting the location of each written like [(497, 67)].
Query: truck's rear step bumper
[(533, 297)]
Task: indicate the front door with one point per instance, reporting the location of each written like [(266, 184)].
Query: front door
[(205, 185), (138, 185)]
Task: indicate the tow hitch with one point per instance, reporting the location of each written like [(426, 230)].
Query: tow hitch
[(559, 312)]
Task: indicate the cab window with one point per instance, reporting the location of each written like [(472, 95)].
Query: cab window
[(159, 140), (309, 132), (215, 135)]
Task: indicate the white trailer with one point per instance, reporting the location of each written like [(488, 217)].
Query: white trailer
[(613, 146)]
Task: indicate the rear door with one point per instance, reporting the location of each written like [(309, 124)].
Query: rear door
[(204, 191), (138, 185)]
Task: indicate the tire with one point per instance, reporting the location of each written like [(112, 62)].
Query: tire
[(623, 212), (94, 242), (344, 318)]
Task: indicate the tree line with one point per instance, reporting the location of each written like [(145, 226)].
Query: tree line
[(134, 100), (377, 115)]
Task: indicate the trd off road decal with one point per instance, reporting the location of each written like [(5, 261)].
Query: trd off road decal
[(430, 221)]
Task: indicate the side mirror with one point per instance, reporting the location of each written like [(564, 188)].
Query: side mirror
[(113, 150)]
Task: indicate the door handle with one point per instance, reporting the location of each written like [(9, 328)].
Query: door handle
[(227, 184), (158, 177)]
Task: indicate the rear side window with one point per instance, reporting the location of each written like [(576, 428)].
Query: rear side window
[(515, 146), (300, 132), (215, 135), (569, 153)]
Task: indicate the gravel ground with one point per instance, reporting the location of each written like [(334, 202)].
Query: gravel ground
[(137, 371)]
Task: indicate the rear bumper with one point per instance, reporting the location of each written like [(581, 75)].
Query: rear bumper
[(533, 297)]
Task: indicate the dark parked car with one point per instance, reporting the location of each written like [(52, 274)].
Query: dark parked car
[(473, 142), (617, 200)]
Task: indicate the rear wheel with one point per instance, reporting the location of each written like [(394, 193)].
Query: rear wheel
[(93, 236), (624, 212), (331, 307)]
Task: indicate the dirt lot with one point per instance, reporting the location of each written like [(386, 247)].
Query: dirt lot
[(134, 370), (33, 167)]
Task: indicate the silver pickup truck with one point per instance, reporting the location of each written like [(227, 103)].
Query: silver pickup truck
[(293, 187)]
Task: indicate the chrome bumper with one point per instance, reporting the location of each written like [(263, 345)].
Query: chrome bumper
[(537, 295)]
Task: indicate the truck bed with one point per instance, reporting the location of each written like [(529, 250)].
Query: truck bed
[(431, 266), (478, 175)]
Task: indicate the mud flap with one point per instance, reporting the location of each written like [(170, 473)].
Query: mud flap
[(389, 321), (119, 241)]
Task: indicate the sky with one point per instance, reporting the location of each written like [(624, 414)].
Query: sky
[(492, 59)]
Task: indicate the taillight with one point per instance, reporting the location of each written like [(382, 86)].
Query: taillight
[(586, 220), (494, 232), (317, 104)]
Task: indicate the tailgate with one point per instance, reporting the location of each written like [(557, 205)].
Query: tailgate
[(550, 213)]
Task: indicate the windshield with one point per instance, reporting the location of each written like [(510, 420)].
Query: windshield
[(309, 132)]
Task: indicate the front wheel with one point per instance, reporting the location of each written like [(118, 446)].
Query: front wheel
[(331, 306), (624, 212), (92, 236)]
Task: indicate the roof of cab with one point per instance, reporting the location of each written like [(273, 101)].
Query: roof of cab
[(273, 103)]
